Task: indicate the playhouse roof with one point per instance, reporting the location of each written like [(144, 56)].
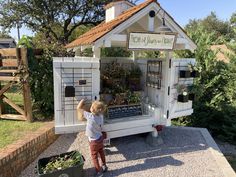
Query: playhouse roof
[(96, 33), (103, 28)]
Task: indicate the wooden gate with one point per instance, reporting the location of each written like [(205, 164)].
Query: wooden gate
[(14, 70)]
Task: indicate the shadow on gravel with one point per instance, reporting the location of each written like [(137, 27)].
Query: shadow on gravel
[(148, 164), (174, 141)]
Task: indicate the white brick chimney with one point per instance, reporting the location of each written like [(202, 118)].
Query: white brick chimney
[(115, 8)]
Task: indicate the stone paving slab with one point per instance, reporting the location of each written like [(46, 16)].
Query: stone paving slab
[(185, 152)]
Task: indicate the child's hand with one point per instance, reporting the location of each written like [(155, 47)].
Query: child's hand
[(81, 103)]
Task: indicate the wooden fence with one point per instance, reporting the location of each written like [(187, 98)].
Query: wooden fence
[(14, 70)]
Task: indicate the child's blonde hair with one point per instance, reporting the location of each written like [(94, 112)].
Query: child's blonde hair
[(98, 107)]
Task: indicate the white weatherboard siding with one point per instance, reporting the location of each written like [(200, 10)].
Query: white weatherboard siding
[(70, 71), (178, 109)]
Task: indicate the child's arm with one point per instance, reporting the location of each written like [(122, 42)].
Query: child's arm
[(80, 110)]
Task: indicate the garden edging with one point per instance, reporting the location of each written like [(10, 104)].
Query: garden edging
[(17, 156)]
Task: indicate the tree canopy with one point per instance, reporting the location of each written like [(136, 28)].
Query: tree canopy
[(211, 23), (56, 19), (215, 107)]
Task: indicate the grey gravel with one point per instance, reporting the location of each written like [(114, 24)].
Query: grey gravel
[(183, 153)]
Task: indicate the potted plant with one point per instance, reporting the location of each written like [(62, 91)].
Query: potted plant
[(113, 73), (194, 70), (134, 78), (191, 95), (68, 164), (184, 74), (133, 97), (182, 93)]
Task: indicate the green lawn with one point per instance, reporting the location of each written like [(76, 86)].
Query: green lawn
[(11, 131)]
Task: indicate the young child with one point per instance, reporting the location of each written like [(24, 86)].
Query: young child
[(94, 133)]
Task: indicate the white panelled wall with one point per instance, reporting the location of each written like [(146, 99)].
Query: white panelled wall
[(83, 74)]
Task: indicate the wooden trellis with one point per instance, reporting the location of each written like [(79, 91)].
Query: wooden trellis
[(14, 70)]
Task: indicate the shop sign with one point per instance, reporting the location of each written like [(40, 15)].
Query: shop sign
[(151, 41)]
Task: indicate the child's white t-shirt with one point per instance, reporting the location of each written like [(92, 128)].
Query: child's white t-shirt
[(94, 125)]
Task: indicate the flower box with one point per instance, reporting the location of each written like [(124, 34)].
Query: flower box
[(71, 165), (183, 98), (184, 74), (122, 111)]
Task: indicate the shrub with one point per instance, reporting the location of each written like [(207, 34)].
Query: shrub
[(41, 84)]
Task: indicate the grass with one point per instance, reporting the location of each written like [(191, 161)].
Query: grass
[(11, 131), (17, 98)]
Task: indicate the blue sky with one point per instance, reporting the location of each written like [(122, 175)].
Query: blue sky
[(183, 10)]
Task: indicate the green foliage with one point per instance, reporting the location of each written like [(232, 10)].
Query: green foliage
[(25, 42), (215, 107), (133, 97), (221, 29), (41, 85), (62, 162), (4, 34), (79, 31), (54, 19), (135, 72), (115, 52)]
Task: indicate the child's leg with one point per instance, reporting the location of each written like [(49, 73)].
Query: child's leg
[(102, 154), (94, 154)]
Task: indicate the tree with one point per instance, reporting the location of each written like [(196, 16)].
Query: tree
[(4, 34), (56, 19), (215, 107), (211, 23)]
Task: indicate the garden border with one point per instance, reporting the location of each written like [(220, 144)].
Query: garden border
[(17, 156)]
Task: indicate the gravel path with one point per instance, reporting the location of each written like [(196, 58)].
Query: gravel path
[(183, 153)]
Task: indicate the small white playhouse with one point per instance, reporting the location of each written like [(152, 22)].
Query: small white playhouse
[(162, 83)]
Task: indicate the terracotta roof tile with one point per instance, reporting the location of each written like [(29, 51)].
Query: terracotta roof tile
[(103, 28), (222, 52)]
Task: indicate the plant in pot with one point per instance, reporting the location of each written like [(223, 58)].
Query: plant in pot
[(182, 93), (133, 97), (113, 73), (134, 78), (192, 90), (194, 70), (184, 74), (70, 164)]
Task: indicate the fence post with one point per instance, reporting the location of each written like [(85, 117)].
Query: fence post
[(1, 104), (26, 86)]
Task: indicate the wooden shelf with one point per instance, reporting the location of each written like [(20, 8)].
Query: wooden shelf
[(154, 74)]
